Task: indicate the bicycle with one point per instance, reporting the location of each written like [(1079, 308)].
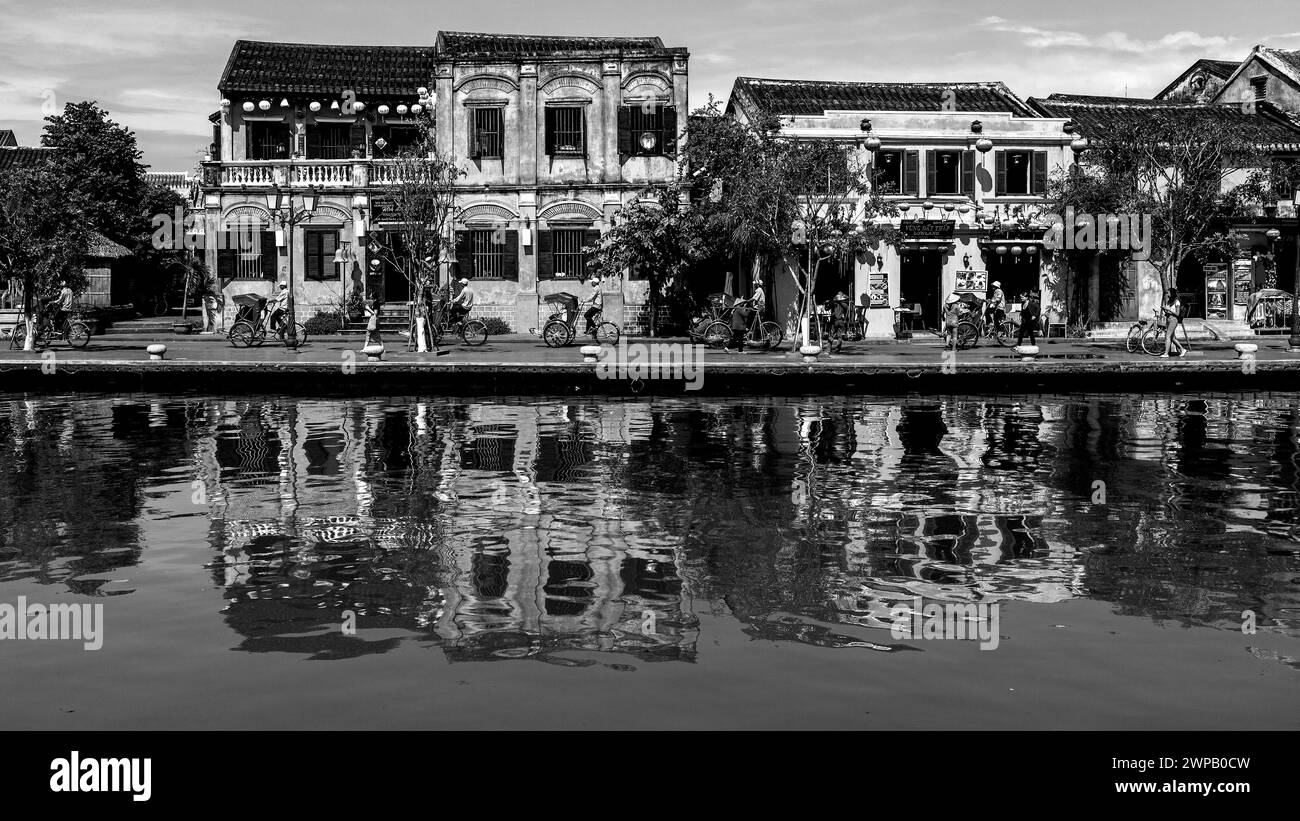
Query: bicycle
[(472, 332), (250, 329), (1153, 339), (1134, 340), (762, 333), (562, 326), (75, 332), (969, 332)]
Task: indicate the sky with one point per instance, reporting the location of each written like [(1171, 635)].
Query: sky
[(155, 67)]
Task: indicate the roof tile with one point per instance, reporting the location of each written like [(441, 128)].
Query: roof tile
[(787, 97)]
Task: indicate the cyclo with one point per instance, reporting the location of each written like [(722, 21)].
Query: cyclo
[(250, 326), (561, 324), (716, 331), (471, 331), (974, 327)]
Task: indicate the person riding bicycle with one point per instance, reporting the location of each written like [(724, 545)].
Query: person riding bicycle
[(995, 311), (463, 303), (279, 307), (597, 302), (62, 307)]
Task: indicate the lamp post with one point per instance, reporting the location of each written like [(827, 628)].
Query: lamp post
[(1293, 341), (281, 206)]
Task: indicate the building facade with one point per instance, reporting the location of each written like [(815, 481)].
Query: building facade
[(555, 136), (967, 166)]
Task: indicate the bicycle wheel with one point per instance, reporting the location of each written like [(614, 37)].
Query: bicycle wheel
[(474, 332), (1153, 340), (241, 334), (716, 334), (1134, 340), (1004, 333), (78, 334), (299, 339), (556, 333), (19, 336), (967, 334), (607, 333), (773, 334)]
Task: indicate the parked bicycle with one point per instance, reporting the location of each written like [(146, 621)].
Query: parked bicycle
[(764, 334), (75, 332), (1135, 332)]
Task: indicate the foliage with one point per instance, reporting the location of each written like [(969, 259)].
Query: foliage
[(98, 160), (496, 326), (43, 235), (324, 324)]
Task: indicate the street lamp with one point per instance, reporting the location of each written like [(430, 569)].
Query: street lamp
[(281, 205)]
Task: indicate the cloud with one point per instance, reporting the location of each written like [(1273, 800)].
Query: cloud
[(1113, 41), (78, 36)]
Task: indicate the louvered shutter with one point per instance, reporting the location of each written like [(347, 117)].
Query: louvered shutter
[(510, 256), (314, 142), (624, 132), (270, 255), (465, 254), (1000, 159), (545, 255), (670, 131), (968, 173), (931, 172), (550, 131), (226, 261), (911, 173), (1038, 183)]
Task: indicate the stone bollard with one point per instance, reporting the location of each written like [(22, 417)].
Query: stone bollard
[(589, 353), (1027, 352), (374, 351), (1246, 350), (810, 352), (156, 352)]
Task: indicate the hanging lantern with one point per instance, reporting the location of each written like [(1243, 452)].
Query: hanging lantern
[(1031, 250), (984, 145), (334, 106), (374, 263), (284, 102), (950, 207), (422, 91), (648, 141), (1079, 144), (265, 105), (1273, 234), (314, 106), (358, 106), (225, 103), (1001, 250), (248, 105), (417, 108), (927, 205), (964, 208), (383, 109), (401, 109), (827, 249), (872, 143), (976, 127), (1016, 250)]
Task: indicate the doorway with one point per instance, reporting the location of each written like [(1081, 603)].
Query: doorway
[(919, 285), (396, 286)]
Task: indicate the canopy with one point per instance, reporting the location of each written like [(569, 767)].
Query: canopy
[(250, 300), (562, 298), (723, 299)]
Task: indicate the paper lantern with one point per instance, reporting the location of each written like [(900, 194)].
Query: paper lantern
[(417, 108), (401, 109), (872, 143), (1079, 144), (383, 109), (358, 106), (248, 105), (265, 105), (1001, 250), (314, 106), (984, 145)]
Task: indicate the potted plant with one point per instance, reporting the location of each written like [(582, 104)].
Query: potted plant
[(356, 304)]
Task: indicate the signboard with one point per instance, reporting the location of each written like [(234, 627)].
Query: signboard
[(926, 229), (975, 281), (1243, 281), (878, 288), (1216, 291)]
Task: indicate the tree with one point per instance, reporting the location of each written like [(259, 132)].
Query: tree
[(43, 237), (99, 160), (421, 201), (661, 241)]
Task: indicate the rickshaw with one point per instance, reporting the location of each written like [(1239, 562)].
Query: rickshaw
[(561, 325), (250, 328), (717, 332), (716, 308), (975, 327)]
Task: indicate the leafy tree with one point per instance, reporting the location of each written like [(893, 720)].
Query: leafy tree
[(43, 236), (99, 160)]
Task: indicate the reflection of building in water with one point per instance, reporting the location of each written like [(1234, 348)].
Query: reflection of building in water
[(328, 502)]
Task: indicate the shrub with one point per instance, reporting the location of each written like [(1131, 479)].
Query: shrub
[(496, 326), (324, 324)]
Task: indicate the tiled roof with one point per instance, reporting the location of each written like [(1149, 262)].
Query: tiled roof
[(307, 68), (7, 138), (1096, 116), (466, 43), (167, 178), (1219, 68), (1289, 59), (21, 157), (787, 97), (101, 247)]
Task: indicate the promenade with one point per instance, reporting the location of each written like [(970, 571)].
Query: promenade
[(520, 363)]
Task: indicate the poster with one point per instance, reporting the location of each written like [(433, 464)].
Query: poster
[(878, 288), (972, 281), (1216, 291), (1243, 280)]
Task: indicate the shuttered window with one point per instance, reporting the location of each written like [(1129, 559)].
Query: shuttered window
[(560, 251), (943, 173), (889, 172), (565, 136), (1021, 173), (329, 141), (244, 256), (647, 130), (487, 252), (486, 133), (268, 141), (320, 247)]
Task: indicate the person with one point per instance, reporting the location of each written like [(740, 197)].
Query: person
[(740, 316), (463, 303), (758, 299), (840, 312), (279, 307), (62, 305), (597, 302), (1028, 318), (994, 313), (953, 313), (372, 322), (1172, 315)]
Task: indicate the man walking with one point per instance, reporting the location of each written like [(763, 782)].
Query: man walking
[(1028, 318)]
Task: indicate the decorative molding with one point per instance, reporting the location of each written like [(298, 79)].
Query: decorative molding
[(570, 209), (651, 78), (570, 81), (490, 82), (246, 213), (485, 211), (323, 213)]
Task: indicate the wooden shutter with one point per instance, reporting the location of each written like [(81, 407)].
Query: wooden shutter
[(465, 253), (314, 242), (1000, 162), (313, 142), (911, 173), (270, 255), (582, 118), (549, 142), (357, 137), (931, 172), (226, 260), (968, 173), (510, 256), (216, 141), (624, 132), (545, 255), (670, 131), (1038, 182)]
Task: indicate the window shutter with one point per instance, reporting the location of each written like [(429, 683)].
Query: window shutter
[(670, 131), (931, 172), (270, 255), (550, 131), (357, 139), (968, 173), (1000, 159), (590, 238), (510, 256), (624, 132), (226, 261), (216, 141), (545, 255), (582, 120), (311, 245), (465, 253), (313, 142), (911, 172), (1038, 185)]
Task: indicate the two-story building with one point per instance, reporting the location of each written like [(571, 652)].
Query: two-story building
[(555, 136), (967, 166)]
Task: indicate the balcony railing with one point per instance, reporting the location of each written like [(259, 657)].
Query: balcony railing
[(355, 173)]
